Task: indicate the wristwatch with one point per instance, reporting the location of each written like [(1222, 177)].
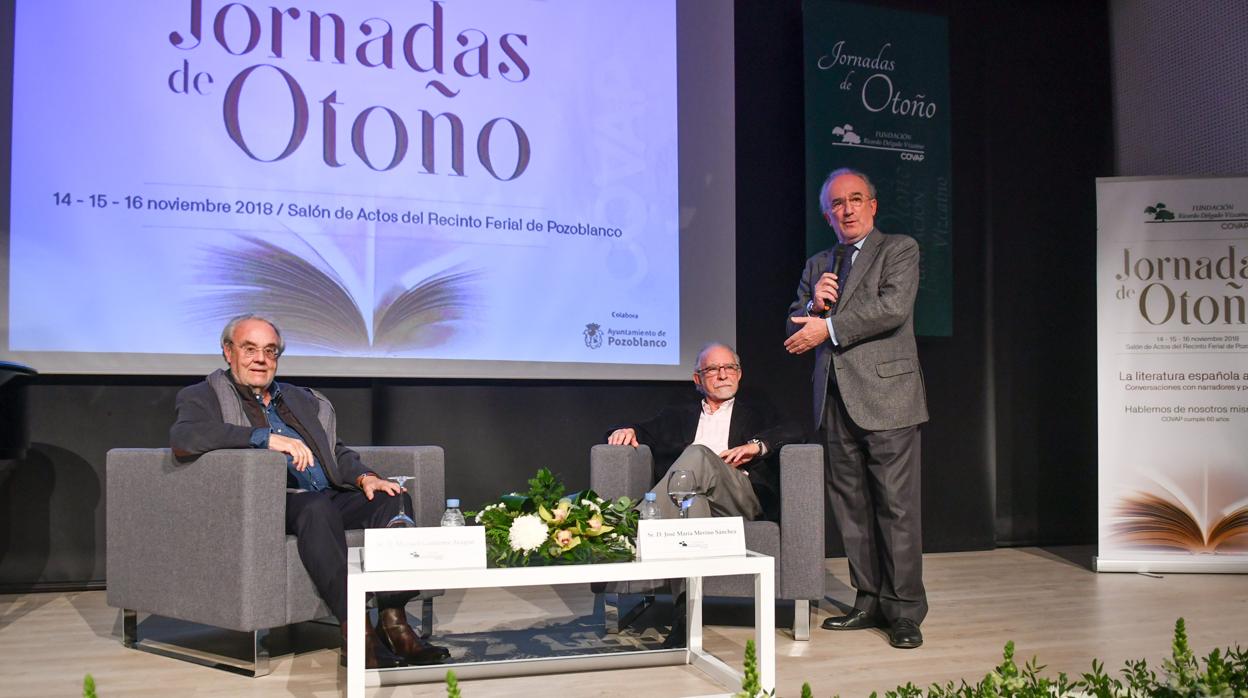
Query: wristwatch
[(762, 446)]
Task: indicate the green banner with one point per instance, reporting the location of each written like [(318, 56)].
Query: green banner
[(877, 101)]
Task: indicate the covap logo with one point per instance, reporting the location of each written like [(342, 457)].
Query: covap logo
[(593, 338)]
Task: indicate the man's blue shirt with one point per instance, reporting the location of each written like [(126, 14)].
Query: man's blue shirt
[(313, 478)]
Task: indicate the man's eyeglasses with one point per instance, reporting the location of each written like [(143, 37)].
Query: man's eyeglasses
[(855, 201), (251, 351), (730, 369)]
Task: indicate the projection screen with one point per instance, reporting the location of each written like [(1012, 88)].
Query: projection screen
[(459, 188)]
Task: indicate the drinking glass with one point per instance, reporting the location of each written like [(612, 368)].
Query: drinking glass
[(681, 487), (401, 519)]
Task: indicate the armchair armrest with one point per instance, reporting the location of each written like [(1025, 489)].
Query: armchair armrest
[(801, 522), (200, 540), (620, 471), (425, 463)]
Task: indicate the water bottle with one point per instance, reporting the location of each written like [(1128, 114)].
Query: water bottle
[(453, 516), (649, 508)]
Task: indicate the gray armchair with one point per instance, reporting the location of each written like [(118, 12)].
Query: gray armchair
[(204, 541), (796, 542)]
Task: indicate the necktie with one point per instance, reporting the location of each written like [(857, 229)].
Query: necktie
[(842, 273)]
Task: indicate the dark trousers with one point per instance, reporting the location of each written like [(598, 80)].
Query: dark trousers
[(319, 521), (730, 488), (872, 482)]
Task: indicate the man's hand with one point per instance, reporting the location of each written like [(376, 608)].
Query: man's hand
[(623, 437), (825, 293), (813, 332), (371, 483), (295, 448), (739, 456)]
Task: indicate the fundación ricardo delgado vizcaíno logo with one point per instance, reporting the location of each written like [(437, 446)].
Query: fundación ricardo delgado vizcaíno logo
[(593, 338), (1159, 212)]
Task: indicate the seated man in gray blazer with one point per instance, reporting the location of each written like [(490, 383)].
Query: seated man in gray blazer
[(730, 443), (329, 489)]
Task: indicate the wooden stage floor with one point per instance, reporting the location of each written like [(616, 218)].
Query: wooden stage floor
[(1046, 600)]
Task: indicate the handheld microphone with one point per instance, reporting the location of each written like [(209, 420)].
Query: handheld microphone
[(838, 254)]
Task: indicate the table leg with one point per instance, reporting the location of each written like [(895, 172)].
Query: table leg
[(765, 628), (357, 619), (693, 613)]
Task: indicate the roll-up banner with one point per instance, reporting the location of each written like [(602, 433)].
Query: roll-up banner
[(1172, 366), (877, 101)]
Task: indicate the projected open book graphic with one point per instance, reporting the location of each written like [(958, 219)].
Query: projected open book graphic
[(1166, 520), (391, 230), (318, 305)]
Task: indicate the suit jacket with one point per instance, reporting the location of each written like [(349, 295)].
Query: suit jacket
[(672, 431), (200, 428), (876, 361)]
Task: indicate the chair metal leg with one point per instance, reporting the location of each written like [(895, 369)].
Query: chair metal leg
[(258, 666), (613, 620), (611, 613), (646, 603), (129, 627), (426, 618), (260, 643), (801, 620)]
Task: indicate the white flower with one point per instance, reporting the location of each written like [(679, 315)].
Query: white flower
[(527, 533)]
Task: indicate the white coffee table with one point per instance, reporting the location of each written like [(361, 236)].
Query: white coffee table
[(762, 567)]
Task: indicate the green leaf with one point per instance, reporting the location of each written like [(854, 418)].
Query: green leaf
[(518, 503), (544, 488)]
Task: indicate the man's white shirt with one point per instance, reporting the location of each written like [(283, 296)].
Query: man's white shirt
[(713, 426)]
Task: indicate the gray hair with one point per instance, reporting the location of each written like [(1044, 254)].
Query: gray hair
[(227, 334), (697, 363), (825, 204)]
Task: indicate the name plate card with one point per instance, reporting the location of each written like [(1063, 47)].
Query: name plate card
[(424, 548), (678, 539)]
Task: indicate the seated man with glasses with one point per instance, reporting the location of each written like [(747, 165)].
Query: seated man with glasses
[(731, 444), (329, 490)]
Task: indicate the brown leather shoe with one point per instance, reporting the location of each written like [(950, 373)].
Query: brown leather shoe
[(376, 654), (395, 630)]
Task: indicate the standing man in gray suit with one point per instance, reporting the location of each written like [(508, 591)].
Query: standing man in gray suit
[(855, 308)]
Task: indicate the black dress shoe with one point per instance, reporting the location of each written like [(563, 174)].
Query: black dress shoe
[(677, 638), (854, 620), (905, 634)]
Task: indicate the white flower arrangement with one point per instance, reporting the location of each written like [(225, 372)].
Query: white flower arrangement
[(544, 527), (527, 533)]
